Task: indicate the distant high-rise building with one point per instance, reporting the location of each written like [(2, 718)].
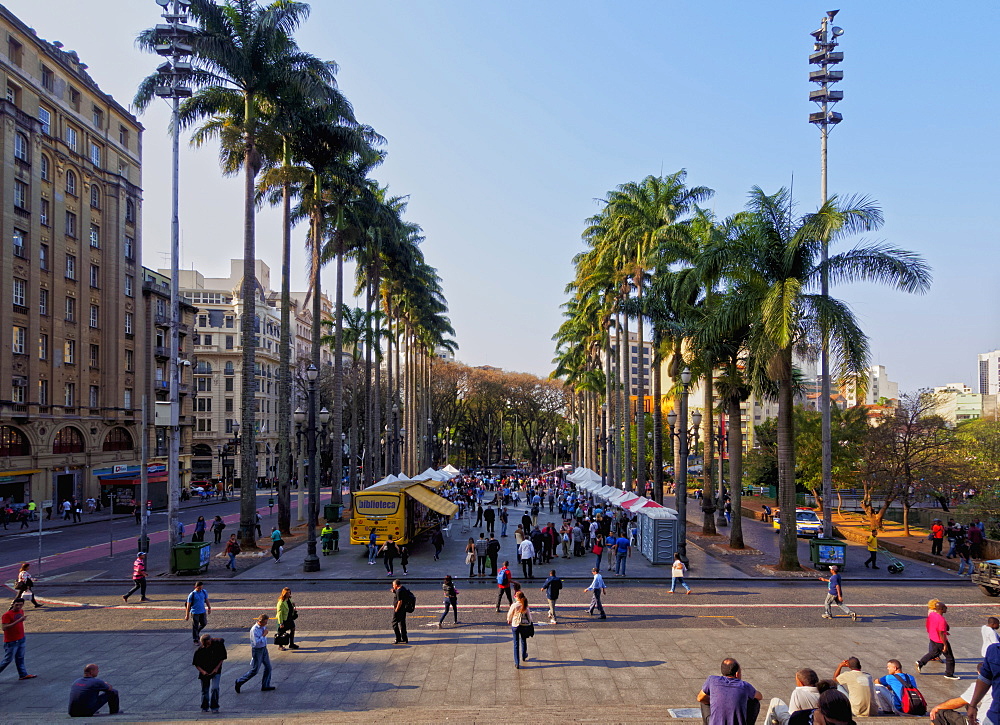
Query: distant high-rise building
[(989, 373), (879, 387), (956, 403)]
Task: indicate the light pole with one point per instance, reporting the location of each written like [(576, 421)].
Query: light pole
[(232, 445), (430, 442), (599, 444), (720, 502), (683, 434), (825, 56), (299, 416), (173, 41), (311, 562)]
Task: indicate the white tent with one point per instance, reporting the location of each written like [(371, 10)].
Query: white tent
[(590, 486), (637, 504), (581, 474), (607, 492), (622, 497), (451, 469), (388, 479)]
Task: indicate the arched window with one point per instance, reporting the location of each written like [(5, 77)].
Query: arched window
[(46, 174), (203, 368), (20, 146), (68, 440), (13, 442), (230, 369), (130, 211), (71, 183), (95, 196), (118, 439)]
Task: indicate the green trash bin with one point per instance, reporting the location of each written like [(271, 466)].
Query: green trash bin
[(190, 558), (825, 552), (333, 512)]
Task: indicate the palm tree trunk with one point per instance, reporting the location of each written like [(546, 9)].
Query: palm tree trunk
[(624, 345), (788, 554), (371, 405), (284, 361), (657, 425), (248, 334), (640, 408), (708, 455), (608, 427), (734, 441), (338, 377)]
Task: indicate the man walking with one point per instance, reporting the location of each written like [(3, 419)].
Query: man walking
[(493, 552), (503, 584), (14, 645), (940, 642), (481, 547), (490, 517), (197, 608), (552, 587), (872, 549), (526, 553), (258, 656), (208, 659), (399, 604), (835, 595), (372, 546), (89, 694), (597, 589), (504, 518), (623, 550), (138, 578)]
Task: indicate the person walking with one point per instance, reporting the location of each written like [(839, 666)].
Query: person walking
[(437, 540), (521, 628), (404, 558), (138, 578), (88, 694), (940, 643), (872, 549), (526, 554), (232, 549), (208, 659), (964, 553), (276, 543), (990, 633), (504, 518), (596, 589), (199, 530), (217, 526), (623, 551), (256, 523), (490, 517), (285, 615), (504, 584), (14, 642), (677, 572), (180, 531), (552, 586), (24, 585), (258, 656), (401, 598), (835, 595), (372, 546), (450, 600), (389, 551), (470, 556), (197, 608)]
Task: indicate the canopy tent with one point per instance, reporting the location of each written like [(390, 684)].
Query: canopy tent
[(431, 500), (434, 475), (451, 469), (388, 479), (590, 485), (582, 474), (607, 492), (623, 499), (637, 504)]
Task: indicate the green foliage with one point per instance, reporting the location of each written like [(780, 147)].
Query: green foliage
[(848, 431)]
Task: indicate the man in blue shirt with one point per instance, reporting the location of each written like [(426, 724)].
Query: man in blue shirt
[(835, 595), (623, 550), (989, 680), (89, 694), (896, 680), (197, 610), (730, 700), (596, 588)]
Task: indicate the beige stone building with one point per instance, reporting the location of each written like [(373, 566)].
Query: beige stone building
[(70, 275)]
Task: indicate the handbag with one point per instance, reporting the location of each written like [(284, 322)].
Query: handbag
[(281, 637), (527, 629), (470, 558), (598, 549)]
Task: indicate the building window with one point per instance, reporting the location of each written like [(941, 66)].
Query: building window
[(71, 182), (204, 385), (118, 439), (129, 360), (74, 98), (20, 292), (229, 322), (43, 213), (21, 147), (229, 385), (13, 94), (98, 117), (205, 425), (202, 320), (15, 51), (19, 337), (95, 154), (95, 236), (130, 211), (70, 266), (128, 399), (44, 171), (129, 248), (43, 302), (94, 397), (230, 342), (95, 319), (229, 405), (43, 256), (95, 356), (68, 440), (71, 137), (129, 285), (70, 309), (45, 117), (43, 392), (95, 196), (206, 340), (17, 390), (71, 225), (128, 323), (48, 79), (123, 136), (69, 352), (19, 243), (95, 276), (204, 405), (43, 347), (69, 400), (20, 194)]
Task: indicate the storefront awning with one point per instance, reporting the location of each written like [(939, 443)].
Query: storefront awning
[(431, 500), (24, 472), (156, 478)]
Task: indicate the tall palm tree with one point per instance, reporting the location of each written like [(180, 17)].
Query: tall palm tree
[(774, 259), (244, 58)]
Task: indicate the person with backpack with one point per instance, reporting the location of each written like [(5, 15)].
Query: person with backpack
[(503, 583), (402, 604), (389, 552), (217, 526), (232, 549), (677, 572), (450, 600), (552, 587), (905, 698)]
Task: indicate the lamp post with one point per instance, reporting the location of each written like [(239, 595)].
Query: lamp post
[(719, 437), (311, 562), (430, 442), (825, 56), (396, 460), (230, 446), (299, 416), (683, 434), (599, 446)]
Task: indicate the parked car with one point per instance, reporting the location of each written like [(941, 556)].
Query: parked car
[(986, 575), (807, 523)]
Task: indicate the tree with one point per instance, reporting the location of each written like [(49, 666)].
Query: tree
[(849, 430)]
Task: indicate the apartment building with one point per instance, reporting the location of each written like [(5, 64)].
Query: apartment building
[(989, 373), (70, 298)]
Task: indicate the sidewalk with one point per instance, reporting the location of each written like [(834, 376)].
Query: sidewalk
[(464, 674)]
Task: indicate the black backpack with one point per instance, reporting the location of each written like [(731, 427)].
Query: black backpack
[(409, 600)]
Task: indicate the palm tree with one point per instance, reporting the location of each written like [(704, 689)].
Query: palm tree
[(244, 58), (774, 263)]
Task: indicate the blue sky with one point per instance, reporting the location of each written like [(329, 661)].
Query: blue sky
[(505, 121)]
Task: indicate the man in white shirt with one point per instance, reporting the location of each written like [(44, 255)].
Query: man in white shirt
[(990, 634), (597, 589), (526, 552), (259, 656), (952, 711), (805, 696)]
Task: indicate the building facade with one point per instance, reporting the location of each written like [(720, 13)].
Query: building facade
[(989, 373), (70, 295), (956, 403)]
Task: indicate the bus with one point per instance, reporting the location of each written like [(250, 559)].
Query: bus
[(404, 510)]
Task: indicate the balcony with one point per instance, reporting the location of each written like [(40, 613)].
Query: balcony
[(161, 351), (161, 385)]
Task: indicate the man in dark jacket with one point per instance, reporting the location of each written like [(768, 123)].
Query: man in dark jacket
[(490, 517), (208, 659), (493, 553)]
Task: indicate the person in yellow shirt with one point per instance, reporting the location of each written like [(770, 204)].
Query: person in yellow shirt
[(872, 549)]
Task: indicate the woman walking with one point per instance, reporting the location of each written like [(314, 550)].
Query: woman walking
[(232, 549), (217, 526), (285, 615), (470, 557), (199, 529), (404, 558), (450, 600), (24, 585), (276, 544), (389, 551), (677, 572), (519, 619), (940, 641)]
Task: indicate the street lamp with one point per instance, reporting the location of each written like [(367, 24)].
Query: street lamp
[(719, 437), (430, 442), (299, 416), (230, 446), (311, 562), (683, 434), (825, 56)]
